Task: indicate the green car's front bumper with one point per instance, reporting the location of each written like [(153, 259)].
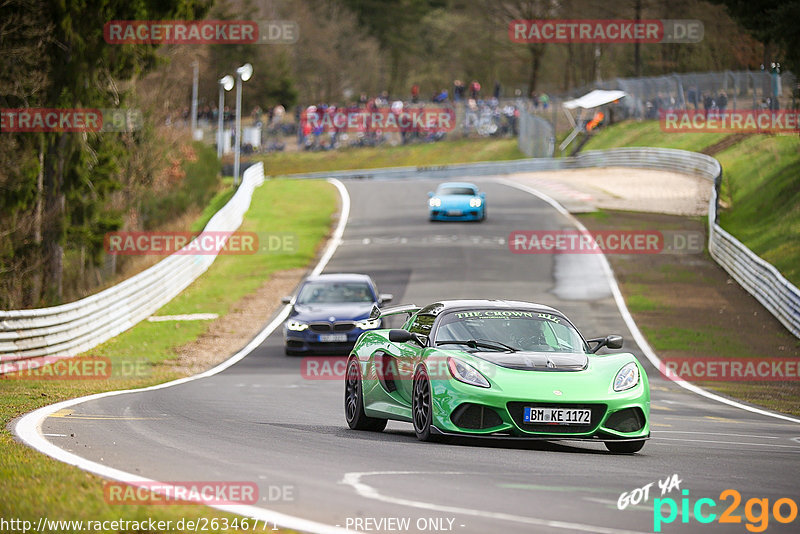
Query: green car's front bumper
[(463, 409)]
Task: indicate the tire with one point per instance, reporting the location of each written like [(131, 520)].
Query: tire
[(290, 352), (354, 401), (625, 447), (421, 406)]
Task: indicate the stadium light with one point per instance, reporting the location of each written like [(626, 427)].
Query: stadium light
[(243, 74), (225, 84)]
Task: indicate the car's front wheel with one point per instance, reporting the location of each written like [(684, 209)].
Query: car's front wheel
[(625, 447), (421, 408), (354, 401)]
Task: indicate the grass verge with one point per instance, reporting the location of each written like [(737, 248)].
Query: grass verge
[(688, 307), (34, 485), (428, 154), (760, 189)]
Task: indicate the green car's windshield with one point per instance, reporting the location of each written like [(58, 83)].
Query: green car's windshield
[(334, 293), (521, 329)]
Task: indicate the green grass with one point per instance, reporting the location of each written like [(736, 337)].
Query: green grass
[(762, 189), (761, 185), (708, 340), (428, 154), (33, 485), (199, 185), (648, 133), (637, 301)]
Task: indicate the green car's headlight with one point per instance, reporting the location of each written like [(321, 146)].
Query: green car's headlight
[(627, 377), (297, 326), (435, 202), (368, 324), (464, 372)]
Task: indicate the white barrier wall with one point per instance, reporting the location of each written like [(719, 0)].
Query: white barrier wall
[(72, 328)]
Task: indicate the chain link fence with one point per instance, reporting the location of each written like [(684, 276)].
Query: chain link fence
[(537, 137), (700, 91), (691, 91)]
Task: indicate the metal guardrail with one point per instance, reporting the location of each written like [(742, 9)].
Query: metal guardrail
[(759, 278), (78, 326)]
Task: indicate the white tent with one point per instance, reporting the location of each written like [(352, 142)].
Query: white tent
[(596, 98)]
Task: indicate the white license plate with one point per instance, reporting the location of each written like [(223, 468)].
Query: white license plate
[(332, 338), (455, 213), (557, 416)]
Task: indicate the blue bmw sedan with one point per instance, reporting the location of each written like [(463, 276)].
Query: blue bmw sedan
[(330, 312)]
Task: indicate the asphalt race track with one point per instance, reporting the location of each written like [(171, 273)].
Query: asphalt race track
[(261, 421)]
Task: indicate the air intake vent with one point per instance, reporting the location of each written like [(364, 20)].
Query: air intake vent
[(475, 417)]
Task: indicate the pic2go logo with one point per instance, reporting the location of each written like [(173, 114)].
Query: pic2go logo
[(756, 511)]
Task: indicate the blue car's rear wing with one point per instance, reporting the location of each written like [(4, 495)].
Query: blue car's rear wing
[(409, 309)]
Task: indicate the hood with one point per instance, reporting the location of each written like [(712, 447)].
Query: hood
[(536, 361), (346, 311)]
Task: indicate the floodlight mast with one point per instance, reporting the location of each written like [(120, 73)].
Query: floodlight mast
[(243, 73), (225, 84)]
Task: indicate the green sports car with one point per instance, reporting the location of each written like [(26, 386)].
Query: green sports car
[(496, 368)]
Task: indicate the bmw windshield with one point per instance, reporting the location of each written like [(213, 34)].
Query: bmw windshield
[(512, 330), (335, 293)]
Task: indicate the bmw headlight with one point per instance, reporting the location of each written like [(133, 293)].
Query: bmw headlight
[(435, 202), (368, 324), (475, 202), (627, 377), (464, 372), (297, 326)]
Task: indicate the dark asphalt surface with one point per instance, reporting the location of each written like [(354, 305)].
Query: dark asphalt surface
[(261, 421)]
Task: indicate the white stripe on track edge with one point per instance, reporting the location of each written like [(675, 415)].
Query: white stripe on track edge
[(29, 427), (628, 318)]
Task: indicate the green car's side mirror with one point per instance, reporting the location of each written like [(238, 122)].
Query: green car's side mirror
[(612, 341), (398, 335)]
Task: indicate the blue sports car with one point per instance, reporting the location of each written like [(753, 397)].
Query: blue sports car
[(330, 312), (457, 201)]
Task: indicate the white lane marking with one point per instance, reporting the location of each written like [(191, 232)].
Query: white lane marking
[(183, 317), (56, 435), (354, 479), (730, 442), (29, 427), (628, 318), (713, 434)]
